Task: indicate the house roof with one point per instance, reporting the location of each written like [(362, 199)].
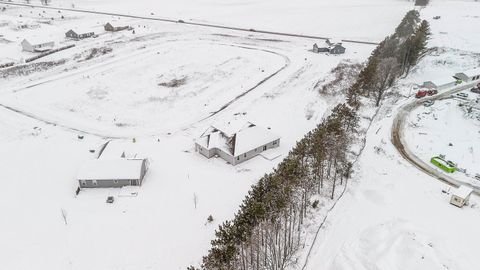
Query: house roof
[(36, 41), (462, 192), (334, 40), (111, 169), (244, 136), (252, 137)]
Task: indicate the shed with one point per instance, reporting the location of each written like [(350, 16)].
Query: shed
[(317, 49), (461, 196), (36, 46), (236, 143), (109, 173), (469, 75)]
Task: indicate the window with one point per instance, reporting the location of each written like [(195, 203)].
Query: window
[(264, 148), (275, 142), (94, 182), (83, 182), (238, 158), (115, 181)]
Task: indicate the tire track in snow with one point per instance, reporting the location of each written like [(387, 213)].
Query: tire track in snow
[(264, 80), (103, 64)]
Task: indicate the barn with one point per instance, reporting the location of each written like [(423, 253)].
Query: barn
[(111, 173), (37, 46), (236, 143), (469, 75)]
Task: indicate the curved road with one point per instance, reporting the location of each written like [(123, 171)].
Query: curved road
[(209, 25), (399, 142)]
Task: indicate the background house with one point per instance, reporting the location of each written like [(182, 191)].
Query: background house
[(469, 75), (37, 46), (109, 173), (110, 28), (236, 143), (78, 35), (440, 83), (330, 47)]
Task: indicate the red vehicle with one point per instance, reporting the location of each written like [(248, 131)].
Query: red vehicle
[(432, 92), (421, 93)]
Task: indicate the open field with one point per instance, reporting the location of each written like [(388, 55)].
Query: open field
[(162, 85)]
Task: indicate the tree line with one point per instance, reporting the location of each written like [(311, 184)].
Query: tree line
[(392, 58), (266, 231)]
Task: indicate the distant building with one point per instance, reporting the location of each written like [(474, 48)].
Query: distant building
[(110, 28), (440, 84), (111, 173), (331, 46), (37, 46), (235, 143), (337, 49), (74, 35), (461, 196), (469, 75), (317, 49)]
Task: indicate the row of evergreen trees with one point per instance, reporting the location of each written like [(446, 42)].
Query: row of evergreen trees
[(266, 231), (392, 58)]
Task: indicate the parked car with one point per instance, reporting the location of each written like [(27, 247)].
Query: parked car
[(428, 103), (461, 95), (475, 90), (110, 199), (477, 176), (432, 92), (181, 21), (421, 93)]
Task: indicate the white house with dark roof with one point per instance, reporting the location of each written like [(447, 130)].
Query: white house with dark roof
[(235, 142)]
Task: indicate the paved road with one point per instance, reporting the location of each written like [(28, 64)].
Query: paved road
[(209, 25), (399, 142)]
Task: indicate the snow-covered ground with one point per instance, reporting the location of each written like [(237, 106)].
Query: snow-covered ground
[(431, 130), (394, 216), (125, 93), (350, 19)]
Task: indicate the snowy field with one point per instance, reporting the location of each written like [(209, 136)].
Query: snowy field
[(331, 18), (394, 216), (127, 93)]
